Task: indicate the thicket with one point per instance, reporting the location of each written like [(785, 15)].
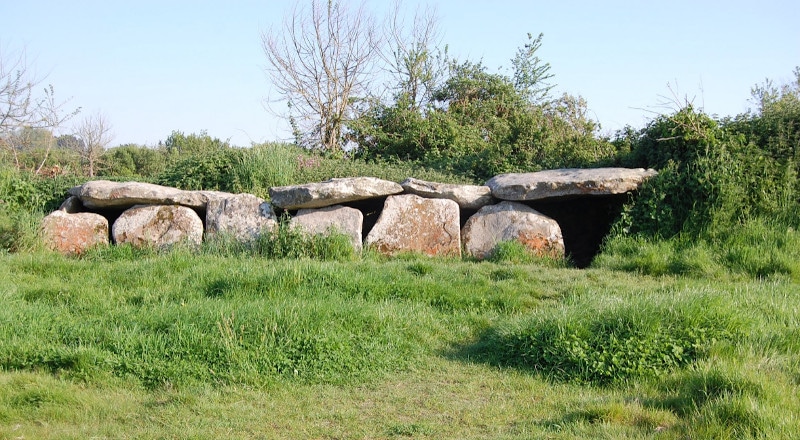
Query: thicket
[(480, 124), (727, 194)]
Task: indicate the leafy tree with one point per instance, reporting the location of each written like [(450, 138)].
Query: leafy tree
[(481, 124), (182, 145), (134, 160), (531, 75)]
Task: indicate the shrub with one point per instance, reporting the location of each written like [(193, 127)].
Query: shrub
[(286, 241), (211, 170), (611, 343)]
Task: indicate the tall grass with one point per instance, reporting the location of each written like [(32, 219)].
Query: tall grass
[(759, 248), (569, 353)]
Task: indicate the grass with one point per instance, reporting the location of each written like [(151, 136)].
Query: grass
[(126, 343)]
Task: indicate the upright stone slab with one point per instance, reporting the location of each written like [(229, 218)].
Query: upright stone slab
[(74, 234), (103, 194), (72, 205), (158, 226), (470, 197), (509, 221), (564, 183), (342, 219), (242, 216), (412, 223), (331, 192)]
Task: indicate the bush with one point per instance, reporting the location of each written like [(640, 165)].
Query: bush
[(286, 241), (481, 124), (611, 343)]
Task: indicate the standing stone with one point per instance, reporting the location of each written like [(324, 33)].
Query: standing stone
[(412, 223), (72, 205), (509, 221), (74, 234), (331, 192), (242, 216), (157, 226), (339, 218), (470, 197), (567, 183)]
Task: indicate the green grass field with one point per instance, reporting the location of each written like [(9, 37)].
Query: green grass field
[(127, 344)]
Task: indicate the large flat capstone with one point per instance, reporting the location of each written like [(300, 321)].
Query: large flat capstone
[(331, 192), (102, 194), (564, 183), (467, 196)]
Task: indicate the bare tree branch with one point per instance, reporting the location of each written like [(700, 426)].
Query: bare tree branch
[(93, 135), (320, 61), (409, 55), (21, 109)]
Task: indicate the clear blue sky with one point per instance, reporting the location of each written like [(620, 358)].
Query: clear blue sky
[(157, 66)]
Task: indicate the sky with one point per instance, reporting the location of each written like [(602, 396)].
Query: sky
[(153, 67)]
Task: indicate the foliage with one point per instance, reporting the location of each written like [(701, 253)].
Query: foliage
[(134, 161), (209, 170), (179, 144), (481, 124), (599, 343), (23, 198), (716, 175), (530, 73)]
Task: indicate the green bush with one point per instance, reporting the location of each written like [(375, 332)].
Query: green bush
[(613, 342), (717, 175), (286, 241), (480, 124), (210, 170)]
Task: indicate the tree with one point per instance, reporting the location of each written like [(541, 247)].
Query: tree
[(530, 74), (179, 144), (481, 124), (20, 108), (93, 136), (320, 62), (410, 56)]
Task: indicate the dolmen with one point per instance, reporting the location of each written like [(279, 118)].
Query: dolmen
[(535, 209)]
